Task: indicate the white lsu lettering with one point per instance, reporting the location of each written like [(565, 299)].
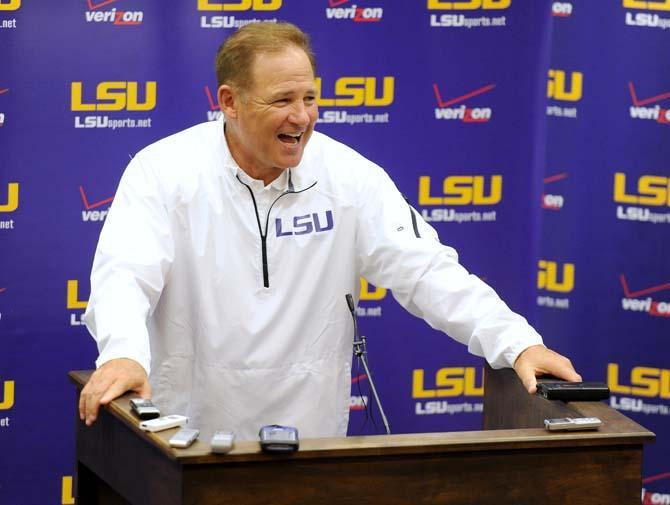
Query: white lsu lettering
[(647, 20)]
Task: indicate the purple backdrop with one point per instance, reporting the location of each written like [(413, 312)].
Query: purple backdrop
[(532, 134)]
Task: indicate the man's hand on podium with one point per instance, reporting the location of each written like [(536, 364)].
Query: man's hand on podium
[(110, 381), (538, 360)]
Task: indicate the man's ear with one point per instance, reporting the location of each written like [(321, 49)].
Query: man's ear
[(228, 100)]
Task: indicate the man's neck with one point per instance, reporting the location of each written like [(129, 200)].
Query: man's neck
[(267, 175)]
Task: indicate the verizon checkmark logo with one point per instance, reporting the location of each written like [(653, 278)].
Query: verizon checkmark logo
[(92, 5), (553, 200), (214, 109), (90, 212), (649, 108), (213, 105), (93, 205), (2, 116), (633, 301), (448, 109), (656, 495), (360, 401), (96, 14), (353, 12)]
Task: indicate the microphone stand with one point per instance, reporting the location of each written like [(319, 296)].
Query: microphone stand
[(361, 351)]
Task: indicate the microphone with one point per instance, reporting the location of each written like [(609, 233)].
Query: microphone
[(352, 309), (360, 351)]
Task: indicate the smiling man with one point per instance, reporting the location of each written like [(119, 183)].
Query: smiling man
[(271, 117), (219, 282)]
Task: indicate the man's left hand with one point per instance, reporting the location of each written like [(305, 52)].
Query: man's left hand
[(537, 360)]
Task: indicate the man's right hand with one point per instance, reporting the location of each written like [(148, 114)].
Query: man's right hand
[(110, 381)]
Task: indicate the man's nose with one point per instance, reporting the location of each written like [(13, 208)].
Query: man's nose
[(299, 115)]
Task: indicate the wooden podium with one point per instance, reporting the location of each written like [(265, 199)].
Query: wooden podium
[(512, 461)]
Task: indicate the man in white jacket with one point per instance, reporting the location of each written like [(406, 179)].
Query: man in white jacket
[(219, 281)]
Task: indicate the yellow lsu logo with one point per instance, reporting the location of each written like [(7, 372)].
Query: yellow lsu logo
[(12, 5), (652, 190), (356, 91), (73, 301), (450, 381), (663, 5), (374, 294), (8, 396), (469, 6), (556, 87), (242, 5), (67, 497), (461, 190), (644, 381), (115, 96), (12, 198), (547, 276)]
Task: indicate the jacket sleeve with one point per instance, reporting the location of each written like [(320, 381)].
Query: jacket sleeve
[(130, 267), (398, 250)]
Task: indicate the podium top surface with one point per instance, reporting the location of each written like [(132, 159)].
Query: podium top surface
[(617, 429)]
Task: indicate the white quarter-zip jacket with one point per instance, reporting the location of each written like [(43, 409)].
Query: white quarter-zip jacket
[(237, 310)]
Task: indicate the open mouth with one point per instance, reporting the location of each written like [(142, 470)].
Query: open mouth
[(290, 138)]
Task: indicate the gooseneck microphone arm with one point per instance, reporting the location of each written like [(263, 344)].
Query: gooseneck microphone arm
[(360, 351)]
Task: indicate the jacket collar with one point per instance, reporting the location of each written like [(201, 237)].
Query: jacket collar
[(294, 179)]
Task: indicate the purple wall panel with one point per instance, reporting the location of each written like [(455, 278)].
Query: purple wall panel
[(575, 237)]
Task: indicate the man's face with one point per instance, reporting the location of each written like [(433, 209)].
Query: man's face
[(274, 119)]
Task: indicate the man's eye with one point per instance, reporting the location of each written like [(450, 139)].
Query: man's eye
[(309, 99), (281, 101)]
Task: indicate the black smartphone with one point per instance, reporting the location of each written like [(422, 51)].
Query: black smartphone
[(573, 391), (144, 409)]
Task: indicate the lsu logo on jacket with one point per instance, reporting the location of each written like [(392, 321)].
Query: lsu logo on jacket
[(304, 225)]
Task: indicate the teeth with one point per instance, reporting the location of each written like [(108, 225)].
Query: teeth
[(294, 136)]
